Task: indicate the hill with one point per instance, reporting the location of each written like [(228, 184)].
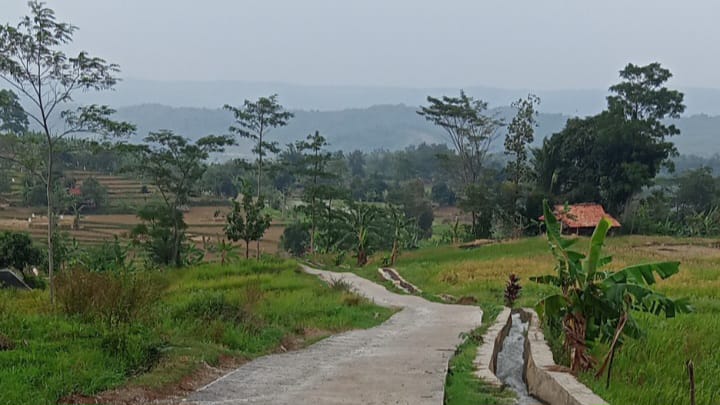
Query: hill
[(213, 94), (376, 127)]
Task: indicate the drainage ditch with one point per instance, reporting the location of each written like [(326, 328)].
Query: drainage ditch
[(510, 362)]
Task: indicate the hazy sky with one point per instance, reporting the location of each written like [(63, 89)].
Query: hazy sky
[(536, 44)]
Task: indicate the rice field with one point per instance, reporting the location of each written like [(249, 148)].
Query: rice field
[(647, 371)]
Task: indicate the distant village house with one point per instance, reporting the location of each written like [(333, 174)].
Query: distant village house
[(581, 219)]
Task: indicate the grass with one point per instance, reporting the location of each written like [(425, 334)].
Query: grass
[(462, 387), (647, 371), (204, 313)]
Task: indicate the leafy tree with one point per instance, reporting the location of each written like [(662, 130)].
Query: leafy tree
[(18, 251), (95, 193), (34, 63), (296, 238), (160, 232), (609, 157), (442, 194), (697, 191), (253, 121), (471, 133), (13, 118), (415, 204), (521, 133), (246, 221), (287, 171), (356, 163), (594, 305), (316, 174), (175, 166)]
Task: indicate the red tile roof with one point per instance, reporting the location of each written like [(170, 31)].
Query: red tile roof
[(75, 192), (585, 215)]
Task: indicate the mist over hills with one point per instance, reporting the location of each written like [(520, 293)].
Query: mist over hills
[(377, 127), (215, 94)]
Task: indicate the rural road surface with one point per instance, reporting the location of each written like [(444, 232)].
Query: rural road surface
[(402, 361)]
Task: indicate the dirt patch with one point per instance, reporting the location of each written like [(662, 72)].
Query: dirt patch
[(683, 251)]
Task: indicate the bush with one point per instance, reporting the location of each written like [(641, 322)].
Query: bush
[(138, 348), (109, 256), (18, 251), (110, 298), (296, 239)]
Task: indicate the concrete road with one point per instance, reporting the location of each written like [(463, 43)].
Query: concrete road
[(402, 361)]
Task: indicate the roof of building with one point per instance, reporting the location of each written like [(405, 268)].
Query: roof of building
[(584, 215)]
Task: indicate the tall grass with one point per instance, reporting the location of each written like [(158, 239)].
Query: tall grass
[(201, 314)]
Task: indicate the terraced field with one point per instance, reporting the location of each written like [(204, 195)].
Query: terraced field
[(124, 194)]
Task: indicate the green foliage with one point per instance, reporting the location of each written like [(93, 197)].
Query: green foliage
[(110, 298), (158, 232), (247, 222), (296, 238), (95, 193), (412, 200), (49, 84), (18, 251), (595, 305), (12, 116), (108, 256), (261, 304), (609, 157), (253, 120), (443, 195), (175, 166), (471, 133)]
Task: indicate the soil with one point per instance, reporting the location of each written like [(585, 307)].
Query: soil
[(683, 251)]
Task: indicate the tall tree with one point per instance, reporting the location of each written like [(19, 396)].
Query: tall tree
[(315, 171), (33, 62), (253, 121), (471, 132), (610, 157), (175, 166), (246, 222), (520, 134)]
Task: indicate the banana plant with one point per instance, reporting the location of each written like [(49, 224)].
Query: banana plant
[(593, 305)]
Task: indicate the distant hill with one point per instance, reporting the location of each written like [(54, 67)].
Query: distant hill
[(214, 94), (376, 127)]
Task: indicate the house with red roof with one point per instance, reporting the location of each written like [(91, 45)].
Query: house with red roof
[(581, 219)]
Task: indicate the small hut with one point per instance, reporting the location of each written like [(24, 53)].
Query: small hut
[(581, 219)]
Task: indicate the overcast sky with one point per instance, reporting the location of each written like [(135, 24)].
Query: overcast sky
[(536, 44)]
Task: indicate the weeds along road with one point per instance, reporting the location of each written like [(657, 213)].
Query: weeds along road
[(402, 361)]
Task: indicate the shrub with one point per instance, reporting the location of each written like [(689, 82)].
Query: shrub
[(111, 298), (137, 347), (18, 251), (296, 239)]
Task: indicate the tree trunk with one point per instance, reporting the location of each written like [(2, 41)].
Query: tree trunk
[(247, 249), (394, 254), (51, 259)]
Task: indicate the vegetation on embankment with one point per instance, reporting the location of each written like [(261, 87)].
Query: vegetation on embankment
[(462, 386), (200, 315), (649, 370)]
